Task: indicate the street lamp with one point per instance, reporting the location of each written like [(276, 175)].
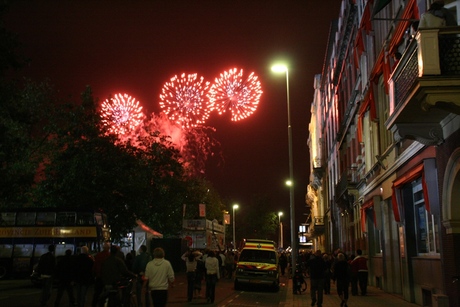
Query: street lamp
[(280, 69), (281, 228), (235, 206)]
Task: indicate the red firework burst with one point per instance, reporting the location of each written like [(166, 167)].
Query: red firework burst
[(121, 114), (232, 92), (183, 100)]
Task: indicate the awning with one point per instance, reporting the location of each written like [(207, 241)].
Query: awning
[(409, 176), (148, 230), (379, 5)]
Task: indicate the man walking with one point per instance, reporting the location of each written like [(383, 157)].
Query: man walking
[(65, 272), (46, 268), (98, 261), (212, 275), (84, 275), (317, 268), (139, 265)]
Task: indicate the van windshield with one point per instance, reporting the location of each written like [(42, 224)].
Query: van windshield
[(252, 255)]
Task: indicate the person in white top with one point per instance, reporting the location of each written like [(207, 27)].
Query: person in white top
[(191, 260), (159, 274), (212, 275), (435, 17)]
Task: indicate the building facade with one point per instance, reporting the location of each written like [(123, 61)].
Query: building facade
[(385, 148)]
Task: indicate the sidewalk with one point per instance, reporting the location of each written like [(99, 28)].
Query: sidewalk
[(375, 298)]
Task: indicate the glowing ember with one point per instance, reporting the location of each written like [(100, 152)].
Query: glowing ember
[(183, 100), (121, 114), (232, 92)]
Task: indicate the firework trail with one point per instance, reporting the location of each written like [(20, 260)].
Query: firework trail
[(232, 92), (121, 114), (183, 100)]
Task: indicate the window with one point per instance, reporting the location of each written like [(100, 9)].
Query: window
[(66, 219), (23, 250), (426, 227), (26, 218), (40, 249), (258, 256), (85, 218), (46, 218), (61, 248), (7, 218), (6, 250)]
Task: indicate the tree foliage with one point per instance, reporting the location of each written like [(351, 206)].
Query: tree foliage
[(25, 110), (60, 156), (252, 222)]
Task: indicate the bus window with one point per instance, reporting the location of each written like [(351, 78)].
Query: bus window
[(6, 250), (85, 218), (66, 219), (99, 220), (7, 218), (61, 248), (41, 249), (26, 218), (22, 250), (46, 218)]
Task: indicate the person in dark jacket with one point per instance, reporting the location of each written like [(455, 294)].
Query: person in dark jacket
[(283, 262), (65, 273), (99, 259), (317, 269), (84, 275), (46, 268), (341, 275), (139, 264), (114, 270)]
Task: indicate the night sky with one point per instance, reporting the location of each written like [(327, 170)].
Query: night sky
[(135, 47)]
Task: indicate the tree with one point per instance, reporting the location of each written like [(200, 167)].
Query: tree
[(258, 220), (23, 138), (201, 191), (58, 154)]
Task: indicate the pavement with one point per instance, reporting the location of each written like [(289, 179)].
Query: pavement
[(374, 298)]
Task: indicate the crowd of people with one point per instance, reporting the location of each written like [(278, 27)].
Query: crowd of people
[(208, 266), (323, 269), (148, 279), (75, 274)]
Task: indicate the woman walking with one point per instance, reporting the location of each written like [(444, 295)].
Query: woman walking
[(191, 260)]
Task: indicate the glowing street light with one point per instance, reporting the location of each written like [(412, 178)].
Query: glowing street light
[(284, 69), (281, 229), (235, 206)]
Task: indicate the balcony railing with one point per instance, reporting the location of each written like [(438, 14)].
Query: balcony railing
[(348, 180), (425, 86)]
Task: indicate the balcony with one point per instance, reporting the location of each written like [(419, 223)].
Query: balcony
[(346, 188), (425, 86)]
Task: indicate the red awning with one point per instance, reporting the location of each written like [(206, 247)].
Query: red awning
[(367, 205), (410, 176)]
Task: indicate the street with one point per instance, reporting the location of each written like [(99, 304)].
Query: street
[(20, 293)]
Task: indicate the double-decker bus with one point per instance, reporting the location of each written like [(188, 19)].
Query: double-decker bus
[(25, 235)]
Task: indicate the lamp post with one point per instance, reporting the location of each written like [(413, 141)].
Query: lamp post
[(235, 206), (280, 69), (281, 229)]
